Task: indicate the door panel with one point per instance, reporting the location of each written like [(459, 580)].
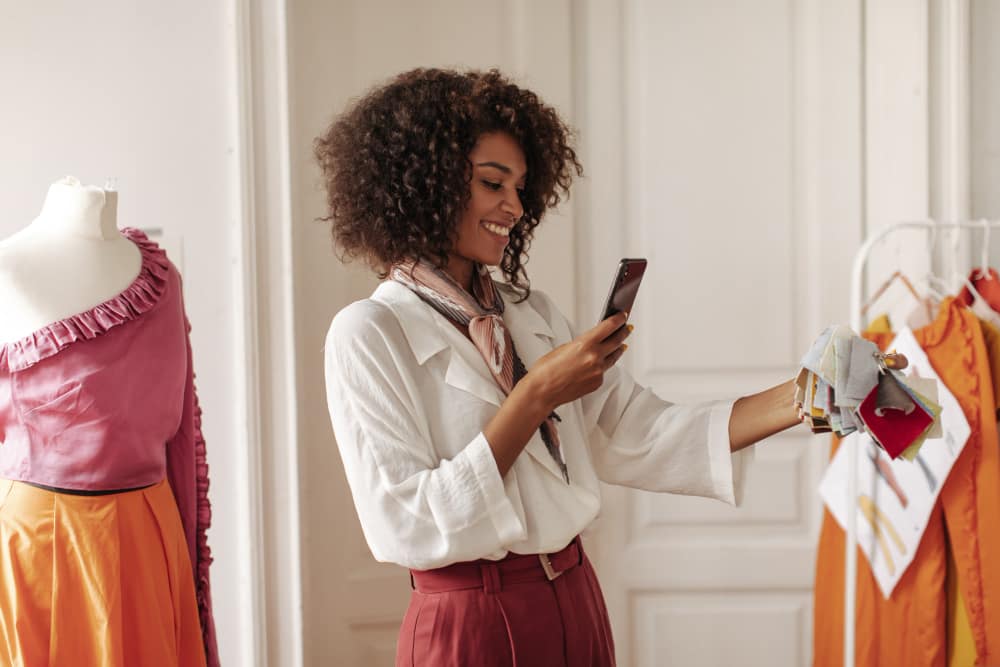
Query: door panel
[(737, 146)]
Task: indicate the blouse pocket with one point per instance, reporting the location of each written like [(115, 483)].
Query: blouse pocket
[(51, 416)]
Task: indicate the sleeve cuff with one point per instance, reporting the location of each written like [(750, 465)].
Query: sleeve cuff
[(727, 468), (508, 525)]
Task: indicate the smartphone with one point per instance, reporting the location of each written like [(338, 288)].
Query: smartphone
[(624, 288)]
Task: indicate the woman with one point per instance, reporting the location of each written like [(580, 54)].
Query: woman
[(474, 425)]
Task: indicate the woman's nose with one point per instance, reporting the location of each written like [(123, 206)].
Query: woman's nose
[(512, 206)]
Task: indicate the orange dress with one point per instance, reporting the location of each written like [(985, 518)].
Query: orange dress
[(911, 627), (961, 644)]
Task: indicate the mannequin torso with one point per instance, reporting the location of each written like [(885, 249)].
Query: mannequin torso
[(70, 259)]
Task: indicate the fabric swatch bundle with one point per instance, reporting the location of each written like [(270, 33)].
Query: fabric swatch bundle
[(845, 385)]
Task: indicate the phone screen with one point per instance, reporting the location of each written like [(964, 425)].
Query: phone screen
[(623, 291)]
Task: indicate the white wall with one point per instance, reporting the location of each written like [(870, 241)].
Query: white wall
[(985, 93), (144, 92)]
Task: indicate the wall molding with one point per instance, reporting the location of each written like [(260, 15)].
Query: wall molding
[(267, 336), (949, 74)]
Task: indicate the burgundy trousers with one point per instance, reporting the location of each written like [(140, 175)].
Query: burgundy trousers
[(522, 611)]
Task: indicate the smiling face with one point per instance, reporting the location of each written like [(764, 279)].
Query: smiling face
[(498, 174)]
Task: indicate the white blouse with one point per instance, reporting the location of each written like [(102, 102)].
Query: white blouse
[(409, 396)]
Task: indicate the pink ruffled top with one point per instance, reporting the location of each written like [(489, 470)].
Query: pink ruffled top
[(106, 400)]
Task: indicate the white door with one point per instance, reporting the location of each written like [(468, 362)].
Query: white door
[(722, 142)]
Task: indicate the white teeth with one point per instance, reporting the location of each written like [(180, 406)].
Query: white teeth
[(497, 229)]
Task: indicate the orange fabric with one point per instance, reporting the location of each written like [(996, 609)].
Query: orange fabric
[(961, 643), (991, 336), (911, 627), (103, 581)]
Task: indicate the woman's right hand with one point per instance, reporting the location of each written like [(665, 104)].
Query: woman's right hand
[(577, 368)]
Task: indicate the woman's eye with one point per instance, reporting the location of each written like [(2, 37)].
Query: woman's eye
[(493, 186)]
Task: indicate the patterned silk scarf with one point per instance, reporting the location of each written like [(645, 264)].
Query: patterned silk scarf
[(479, 315)]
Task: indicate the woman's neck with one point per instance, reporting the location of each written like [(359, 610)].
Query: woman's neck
[(77, 210), (460, 269)]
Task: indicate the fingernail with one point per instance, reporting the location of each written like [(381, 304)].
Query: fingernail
[(624, 347), (631, 328)]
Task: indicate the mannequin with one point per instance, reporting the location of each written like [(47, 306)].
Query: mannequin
[(104, 510), (68, 260)]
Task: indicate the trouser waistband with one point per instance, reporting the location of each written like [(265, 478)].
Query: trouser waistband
[(493, 576)]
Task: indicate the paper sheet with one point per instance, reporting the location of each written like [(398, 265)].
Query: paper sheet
[(895, 498)]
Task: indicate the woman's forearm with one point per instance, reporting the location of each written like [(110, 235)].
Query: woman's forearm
[(753, 419), (512, 426), (761, 415)]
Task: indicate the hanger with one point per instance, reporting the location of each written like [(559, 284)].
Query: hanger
[(956, 267), (901, 277), (936, 288), (976, 274), (980, 307), (967, 284), (983, 273), (896, 275)]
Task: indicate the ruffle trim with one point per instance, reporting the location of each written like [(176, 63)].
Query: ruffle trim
[(936, 331), (970, 329), (203, 521), (138, 298), (965, 385)]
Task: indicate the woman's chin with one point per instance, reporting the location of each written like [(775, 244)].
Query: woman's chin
[(491, 260)]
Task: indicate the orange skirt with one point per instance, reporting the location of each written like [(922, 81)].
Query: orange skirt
[(103, 581)]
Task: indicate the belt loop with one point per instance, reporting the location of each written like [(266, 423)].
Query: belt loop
[(413, 586), (579, 550), (491, 578)]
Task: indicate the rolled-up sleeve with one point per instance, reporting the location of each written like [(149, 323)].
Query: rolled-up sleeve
[(639, 440), (415, 510)]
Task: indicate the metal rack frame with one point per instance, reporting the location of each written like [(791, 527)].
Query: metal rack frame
[(857, 297)]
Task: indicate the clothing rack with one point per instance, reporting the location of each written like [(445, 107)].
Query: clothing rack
[(857, 298)]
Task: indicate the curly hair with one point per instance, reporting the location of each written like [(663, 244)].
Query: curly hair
[(397, 171)]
